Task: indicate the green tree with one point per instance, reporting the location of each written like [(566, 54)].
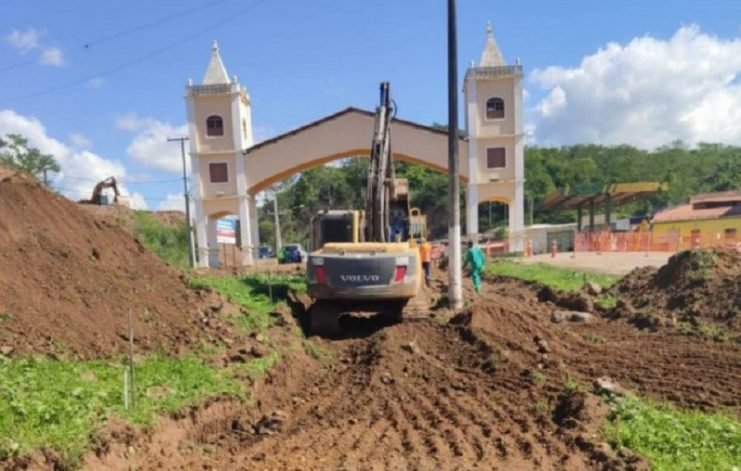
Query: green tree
[(16, 153)]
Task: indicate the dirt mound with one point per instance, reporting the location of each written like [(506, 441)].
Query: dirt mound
[(68, 281), (125, 217), (694, 286)]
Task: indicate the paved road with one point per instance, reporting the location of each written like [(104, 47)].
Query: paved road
[(615, 263)]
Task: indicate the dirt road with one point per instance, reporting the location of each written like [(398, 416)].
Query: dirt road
[(482, 391)]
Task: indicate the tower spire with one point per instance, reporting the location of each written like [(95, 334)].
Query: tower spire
[(216, 72), (491, 56)]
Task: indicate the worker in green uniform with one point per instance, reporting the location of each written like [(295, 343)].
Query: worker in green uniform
[(476, 260)]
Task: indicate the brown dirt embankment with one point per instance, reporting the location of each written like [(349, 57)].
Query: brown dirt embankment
[(68, 281)]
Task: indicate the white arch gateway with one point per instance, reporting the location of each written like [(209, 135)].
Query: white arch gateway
[(228, 169)]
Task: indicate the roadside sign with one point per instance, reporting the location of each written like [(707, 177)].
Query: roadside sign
[(226, 230)]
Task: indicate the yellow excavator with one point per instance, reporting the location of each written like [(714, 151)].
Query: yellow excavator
[(366, 262), (100, 199)]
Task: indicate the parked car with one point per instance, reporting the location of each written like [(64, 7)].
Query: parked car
[(265, 251), (293, 253)]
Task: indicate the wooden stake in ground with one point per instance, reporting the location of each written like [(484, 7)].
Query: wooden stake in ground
[(131, 361)]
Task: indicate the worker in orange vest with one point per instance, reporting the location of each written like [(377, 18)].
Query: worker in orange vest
[(425, 253)]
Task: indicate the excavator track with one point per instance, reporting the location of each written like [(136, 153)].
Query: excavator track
[(329, 318)]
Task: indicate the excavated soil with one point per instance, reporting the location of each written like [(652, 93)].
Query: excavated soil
[(482, 389), (694, 286), (68, 281)]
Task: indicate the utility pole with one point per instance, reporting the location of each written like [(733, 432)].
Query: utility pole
[(191, 249), (278, 241), (455, 284)]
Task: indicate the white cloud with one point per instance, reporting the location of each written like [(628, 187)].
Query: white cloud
[(24, 41), (150, 145), (647, 92), (81, 169), (52, 56), (172, 202), (80, 141)]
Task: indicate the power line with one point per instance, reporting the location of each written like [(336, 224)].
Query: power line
[(136, 29), (138, 60), (121, 34), (148, 199), (127, 182)]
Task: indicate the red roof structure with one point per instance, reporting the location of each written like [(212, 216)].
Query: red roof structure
[(704, 206)]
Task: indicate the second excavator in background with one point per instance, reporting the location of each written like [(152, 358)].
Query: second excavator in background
[(100, 198)]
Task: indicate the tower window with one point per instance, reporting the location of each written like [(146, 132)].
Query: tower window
[(496, 157), (214, 126), (218, 173), (494, 108)]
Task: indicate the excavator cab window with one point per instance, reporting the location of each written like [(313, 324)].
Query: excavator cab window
[(336, 230)]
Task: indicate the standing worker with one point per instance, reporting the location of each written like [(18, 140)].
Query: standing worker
[(476, 259), (425, 254)]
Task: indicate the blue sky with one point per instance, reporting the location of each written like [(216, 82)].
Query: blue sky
[(672, 72)]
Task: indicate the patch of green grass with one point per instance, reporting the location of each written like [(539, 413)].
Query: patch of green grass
[(5, 316), (169, 242), (673, 439), (607, 301), (593, 337), (61, 404), (257, 368), (316, 351), (259, 295), (558, 278), (571, 385), (535, 376), (704, 329)]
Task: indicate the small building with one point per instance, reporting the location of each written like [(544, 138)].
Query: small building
[(708, 219), (542, 237)]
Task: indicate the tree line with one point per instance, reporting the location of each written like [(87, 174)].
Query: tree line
[(705, 167)]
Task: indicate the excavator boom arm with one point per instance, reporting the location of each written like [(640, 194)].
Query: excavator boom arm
[(380, 171)]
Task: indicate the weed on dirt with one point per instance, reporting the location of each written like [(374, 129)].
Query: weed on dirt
[(60, 404), (607, 301), (257, 294), (316, 351), (673, 439), (557, 278), (169, 242), (257, 368)]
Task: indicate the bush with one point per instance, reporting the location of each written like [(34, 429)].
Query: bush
[(169, 242)]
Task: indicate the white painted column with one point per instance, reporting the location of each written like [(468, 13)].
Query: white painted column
[(196, 185), (517, 208), (517, 219), (472, 190), (240, 143), (213, 244), (245, 230), (202, 243), (254, 224)]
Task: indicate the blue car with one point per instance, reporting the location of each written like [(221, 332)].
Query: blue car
[(265, 251)]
